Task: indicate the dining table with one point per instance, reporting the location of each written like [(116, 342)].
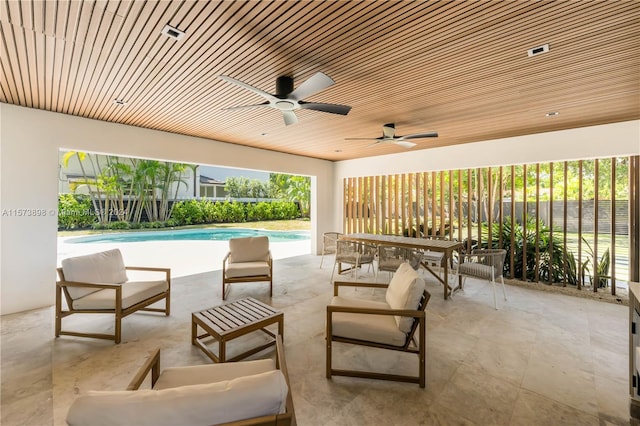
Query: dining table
[(446, 247)]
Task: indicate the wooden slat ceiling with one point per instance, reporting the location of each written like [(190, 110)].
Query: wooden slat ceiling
[(456, 67)]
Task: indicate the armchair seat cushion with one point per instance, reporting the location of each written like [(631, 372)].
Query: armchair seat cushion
[(247, 269), (478, 270), (373, 328), (132, 292), (203, 404)]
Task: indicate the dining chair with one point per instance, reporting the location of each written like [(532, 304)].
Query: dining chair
[(485, 264), (353, 253), (329, 244)]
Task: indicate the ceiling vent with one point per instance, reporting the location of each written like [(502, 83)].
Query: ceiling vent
[(172, 32), (534, 51)]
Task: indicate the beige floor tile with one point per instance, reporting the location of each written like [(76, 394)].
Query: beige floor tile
[(540, 357)]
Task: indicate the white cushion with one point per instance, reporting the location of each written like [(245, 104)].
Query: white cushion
[(372, 328), (246, 269), (206, 404), (174, 377), (132, 292), (106, 267), (249, 249), (404, 292)]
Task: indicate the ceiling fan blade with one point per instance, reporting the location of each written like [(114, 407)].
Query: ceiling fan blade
[(389, 130), (332, 108), (289, 117), (420, 135), (267, 96), (314, 84), (405, 144), (374, 144), (247, 106), (362, 139)]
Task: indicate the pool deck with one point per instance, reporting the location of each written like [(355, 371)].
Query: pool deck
[(183, 257)]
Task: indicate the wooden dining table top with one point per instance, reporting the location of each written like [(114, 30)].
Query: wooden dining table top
[(401, 241)]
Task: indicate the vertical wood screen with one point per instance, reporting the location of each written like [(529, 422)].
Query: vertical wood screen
[(567, 223)]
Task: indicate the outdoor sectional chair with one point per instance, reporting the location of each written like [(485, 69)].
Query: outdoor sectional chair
[(248, 260), (240, 393), (98, 284)]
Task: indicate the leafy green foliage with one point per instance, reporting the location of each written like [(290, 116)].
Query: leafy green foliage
[(556, 263), (75, 212), (193, 212), (602, 267)]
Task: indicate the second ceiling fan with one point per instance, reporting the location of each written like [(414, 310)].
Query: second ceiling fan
[(389, 137)]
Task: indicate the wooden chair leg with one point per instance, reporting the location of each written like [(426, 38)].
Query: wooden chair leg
[(118, 333), (422, 356), (58, 311), (328, 340)]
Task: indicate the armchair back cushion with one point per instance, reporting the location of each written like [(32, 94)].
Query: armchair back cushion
[(204, 404), (250, 249), (404, 292), (106, 267)]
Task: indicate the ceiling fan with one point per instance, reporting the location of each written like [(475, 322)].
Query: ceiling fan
[(389, 136), (287, 100)]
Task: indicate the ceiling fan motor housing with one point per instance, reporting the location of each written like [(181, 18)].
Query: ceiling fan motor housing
[(284, 86)]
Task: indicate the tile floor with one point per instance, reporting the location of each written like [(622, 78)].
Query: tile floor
[(542, 359)]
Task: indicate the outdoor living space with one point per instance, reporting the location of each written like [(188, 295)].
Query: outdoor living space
[(542, 358)]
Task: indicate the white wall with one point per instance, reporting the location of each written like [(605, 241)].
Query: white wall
[(29, 144), (609, 140)]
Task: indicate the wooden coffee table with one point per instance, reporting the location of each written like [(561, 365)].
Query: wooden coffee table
[(227, 322)]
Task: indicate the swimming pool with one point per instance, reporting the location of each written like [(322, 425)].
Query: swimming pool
[(208, 234)]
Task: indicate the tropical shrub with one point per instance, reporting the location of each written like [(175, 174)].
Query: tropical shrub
[(556, 263), (194, 212), (601, 267), (75, 211), (188, 212)]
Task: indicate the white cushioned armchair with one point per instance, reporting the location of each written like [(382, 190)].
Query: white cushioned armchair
[(98, 283), (249, 259), (234, 393), (398, 323)]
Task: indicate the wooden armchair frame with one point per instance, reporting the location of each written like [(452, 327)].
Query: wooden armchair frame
[(226, 281), (418, 329), (285, 419), (62, 287)]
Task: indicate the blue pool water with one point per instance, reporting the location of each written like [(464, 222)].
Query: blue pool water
[(192, 234)]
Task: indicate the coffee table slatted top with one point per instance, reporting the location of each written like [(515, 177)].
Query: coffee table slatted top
[(226, 322), (227, 318)]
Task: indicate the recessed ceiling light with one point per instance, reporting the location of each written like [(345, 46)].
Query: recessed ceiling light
[(172, 32), (538, 50), (552, 114), (264, 134), (119, 102)]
